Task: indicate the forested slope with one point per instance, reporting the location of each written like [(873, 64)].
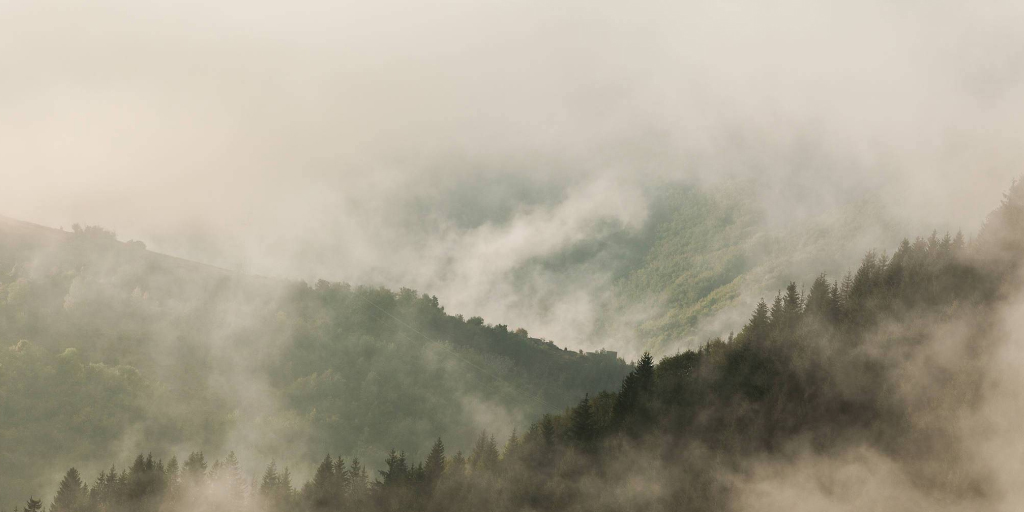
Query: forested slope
[(885, 390), (108, 347)]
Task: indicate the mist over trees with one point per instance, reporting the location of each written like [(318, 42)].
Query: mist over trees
[(829, 369), (107, 345)]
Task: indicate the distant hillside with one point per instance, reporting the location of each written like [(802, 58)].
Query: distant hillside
[(108, 347), (709, 252), (895, 388)]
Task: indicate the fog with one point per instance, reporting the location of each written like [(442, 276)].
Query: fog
[(444, 146), (467, 149)]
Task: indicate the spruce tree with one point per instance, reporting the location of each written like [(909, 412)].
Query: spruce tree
[(485, 453), (233, 477), (194, 470), (756, 330), (511, 450), (645, 373), (33, 505), (457, 465), (819, 299), (583, 425), (547, 430), (792, 303), (397, 472), (777, 315), (323, 496), (357, 480), (72, 495), (341, 479), (434, 466)]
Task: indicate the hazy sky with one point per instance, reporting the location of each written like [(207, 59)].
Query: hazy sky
[(440, 145)]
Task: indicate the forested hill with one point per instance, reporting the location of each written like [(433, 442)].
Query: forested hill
[(888, 390), (108, 347)]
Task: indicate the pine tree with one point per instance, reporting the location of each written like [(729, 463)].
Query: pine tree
[(792, 304), (757, 328), (819, 299), (777, 315), (645, 373), (271, 480), (33, 505), (457, 465), (626, 401), (485, 453), (397, 472), (285, 490), (173, 477), (322, 487), (72, 495), (357, 479), (434, 466), (233, 477), (341, 479), (511, 450), (583, 425), (194, 470), (547, 430)]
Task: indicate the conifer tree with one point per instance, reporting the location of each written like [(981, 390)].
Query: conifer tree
[(342, 479), (645, 372), (233, 477), (777, 315), (819, 303), (457, 465), (792, 303), (322, 495), (33, 505), (435, 462), (757, 327), (72, 495), (357, 479), (511, 446), (485, 453), (172, 477), (194, 470), (285, 486), (583, 426), (397, 472), (547, 430)]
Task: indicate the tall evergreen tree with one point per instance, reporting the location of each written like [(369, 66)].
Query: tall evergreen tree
[(397, 472), (645, 372), (322, 494), (583, 424), (342, 479), (358, 479), (435, 462), (511, 446), (271, 479), (72, 495), (792, 303), (777, 315), (233, 477), (757, 327), (194, 470), (485, 453)]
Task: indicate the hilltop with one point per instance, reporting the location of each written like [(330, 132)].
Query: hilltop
[(107, 345)]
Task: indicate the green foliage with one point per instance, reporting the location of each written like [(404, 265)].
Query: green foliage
[(818, 370), (125, 343)]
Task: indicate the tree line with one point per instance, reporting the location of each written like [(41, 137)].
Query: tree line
[(823, 367)]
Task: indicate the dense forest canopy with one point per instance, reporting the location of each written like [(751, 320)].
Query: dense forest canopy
[(108, 346), (890, 370)]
